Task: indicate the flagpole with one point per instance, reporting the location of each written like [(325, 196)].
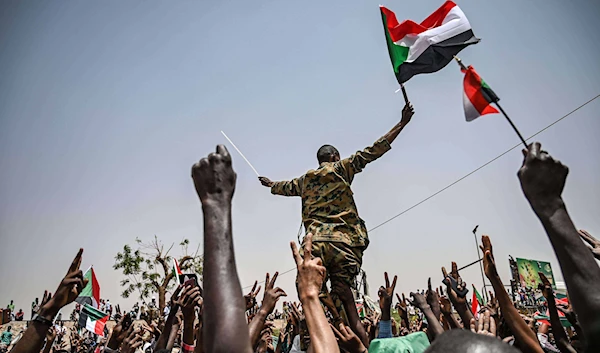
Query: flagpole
[(464, 68), (512, 124), (480, 260), (403, 92)]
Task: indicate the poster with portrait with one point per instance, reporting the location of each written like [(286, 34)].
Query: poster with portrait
[(528, 272)]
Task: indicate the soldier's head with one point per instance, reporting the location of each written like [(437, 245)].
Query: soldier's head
[(328, 153)]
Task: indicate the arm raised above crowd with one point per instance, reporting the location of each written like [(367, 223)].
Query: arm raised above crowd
[(68, 289), (224, 307), (271, 296), (311, 275), (543, 180), (527, 339)]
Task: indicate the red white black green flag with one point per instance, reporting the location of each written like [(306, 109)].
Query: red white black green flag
[(477, 96), (426, 47)]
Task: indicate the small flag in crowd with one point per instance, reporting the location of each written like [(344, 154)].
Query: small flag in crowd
[(478, 96), (91, 293), (476, 302), (176, 271), (429, 46), (92, 319)]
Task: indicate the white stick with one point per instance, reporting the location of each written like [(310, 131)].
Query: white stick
[(240, 152)]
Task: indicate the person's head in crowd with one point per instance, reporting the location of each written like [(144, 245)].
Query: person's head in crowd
[(463, 341), (328, 153)]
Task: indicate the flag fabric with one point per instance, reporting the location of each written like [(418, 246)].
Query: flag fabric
[(429, 46), (476, 302), (477, 95), (92, 319), (176, 271), (91, 293)]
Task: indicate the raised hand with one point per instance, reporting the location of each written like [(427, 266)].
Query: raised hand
[(542, 178), (434, 326), (386, 294), (311, 272), (272, 294), (595, 243), (433, 299), (120, 332), (69, 288), (250, 298), (311, 275), (419, 301), (485, 326), (266, 181), (132, 342), (50, 335), (188, 301), (446, 306), (348, 340), (457, 295), (489, 265), (545, 287), (214, 177), (407, 113), (402, 308)]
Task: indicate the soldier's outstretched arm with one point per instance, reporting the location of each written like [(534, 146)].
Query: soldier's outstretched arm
[(284, 188)]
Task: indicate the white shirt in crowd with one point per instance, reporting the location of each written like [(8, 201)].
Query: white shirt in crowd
[(296, 345)]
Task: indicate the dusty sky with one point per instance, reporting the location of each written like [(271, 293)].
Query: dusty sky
[(104, 107)]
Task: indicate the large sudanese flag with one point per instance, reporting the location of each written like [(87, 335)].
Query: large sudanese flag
[(92, 319), (426, 47), (91, 293)]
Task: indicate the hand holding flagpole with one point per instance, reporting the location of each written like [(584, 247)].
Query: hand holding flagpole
[(241, 154)]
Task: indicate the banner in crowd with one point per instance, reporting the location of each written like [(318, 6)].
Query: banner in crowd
[(528, 272)]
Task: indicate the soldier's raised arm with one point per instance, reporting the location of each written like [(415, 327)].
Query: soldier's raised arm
[(358, 161)]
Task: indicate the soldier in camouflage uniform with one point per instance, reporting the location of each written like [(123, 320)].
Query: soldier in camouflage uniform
[(330, 214)]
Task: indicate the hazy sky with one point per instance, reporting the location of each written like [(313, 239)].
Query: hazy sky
[(105, 105)]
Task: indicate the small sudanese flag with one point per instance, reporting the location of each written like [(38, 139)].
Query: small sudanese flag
[(429, 46), (476, 303), (176, 271), (91, 293), (92, 319), (477, 96)]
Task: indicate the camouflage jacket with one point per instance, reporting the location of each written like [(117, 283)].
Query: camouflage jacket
[(328, 208)]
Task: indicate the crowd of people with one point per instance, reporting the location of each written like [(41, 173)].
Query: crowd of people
[(216, 316)]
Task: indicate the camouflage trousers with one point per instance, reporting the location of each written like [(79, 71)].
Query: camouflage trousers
[(343, 264)]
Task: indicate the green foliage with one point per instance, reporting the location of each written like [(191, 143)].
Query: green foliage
[(148, 268)]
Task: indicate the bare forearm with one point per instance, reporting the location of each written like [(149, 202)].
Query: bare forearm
[(523, 334), (173, 336), (33, 338), (580, 270), (452, 321), (47, 347), (224, 302), (321, 337), (433, 324), (161, 343), (394, 132), (560, 336), (188, 331), (465, 313), (256, 326)]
